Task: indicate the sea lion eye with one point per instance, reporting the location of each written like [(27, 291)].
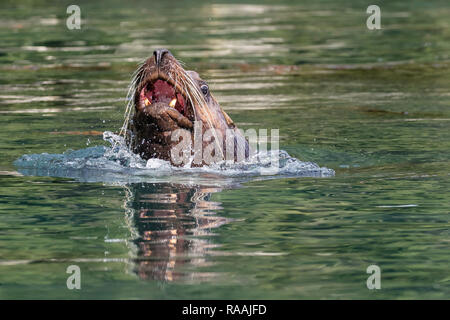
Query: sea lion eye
[(205, 89)]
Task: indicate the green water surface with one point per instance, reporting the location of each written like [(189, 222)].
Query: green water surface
[(374, 105)]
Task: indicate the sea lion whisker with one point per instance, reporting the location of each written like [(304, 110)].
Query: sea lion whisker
[(203, 105), (129, 95)]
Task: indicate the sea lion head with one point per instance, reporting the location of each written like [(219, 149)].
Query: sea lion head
[(163, 98)]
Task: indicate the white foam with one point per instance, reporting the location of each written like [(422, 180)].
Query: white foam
[(118, 163)]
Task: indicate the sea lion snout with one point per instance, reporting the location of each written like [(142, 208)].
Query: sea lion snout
[(159, 55)]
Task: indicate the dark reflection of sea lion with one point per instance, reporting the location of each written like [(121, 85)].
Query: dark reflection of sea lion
[(171, 224), (164, 97)]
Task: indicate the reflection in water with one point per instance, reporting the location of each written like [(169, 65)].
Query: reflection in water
[(171, 225)]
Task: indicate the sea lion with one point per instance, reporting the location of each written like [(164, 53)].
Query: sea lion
[(169, 106)]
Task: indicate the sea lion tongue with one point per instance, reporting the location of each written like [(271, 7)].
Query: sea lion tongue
[(162, 92)]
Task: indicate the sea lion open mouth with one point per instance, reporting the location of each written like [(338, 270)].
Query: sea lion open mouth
[(161, 91), (165, 98)]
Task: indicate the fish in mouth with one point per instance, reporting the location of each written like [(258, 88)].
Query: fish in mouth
[(165, 99)]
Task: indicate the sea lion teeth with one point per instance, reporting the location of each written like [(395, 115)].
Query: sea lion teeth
[(147, 102), (173, 103)]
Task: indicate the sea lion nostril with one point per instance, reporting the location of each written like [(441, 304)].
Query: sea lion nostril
[(159, 54)]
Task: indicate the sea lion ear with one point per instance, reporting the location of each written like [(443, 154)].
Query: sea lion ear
[(194, 75)]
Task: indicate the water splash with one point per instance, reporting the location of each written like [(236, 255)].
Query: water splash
[(117, 164)]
